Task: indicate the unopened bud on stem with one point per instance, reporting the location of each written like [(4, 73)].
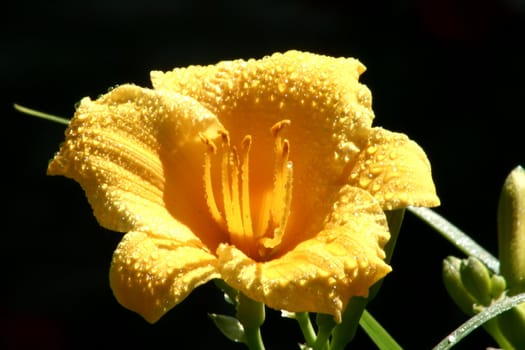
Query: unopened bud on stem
[(511, 231)]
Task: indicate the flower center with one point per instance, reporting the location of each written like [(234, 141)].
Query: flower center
[(256, 235)]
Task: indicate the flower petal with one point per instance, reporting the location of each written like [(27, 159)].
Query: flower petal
[(395, 170), (136, 153), (309, 89), (329, 110), (321, 274), (151, 275)]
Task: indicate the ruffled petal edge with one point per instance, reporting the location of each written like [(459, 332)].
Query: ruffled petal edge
[(151, 275), (395, 170)]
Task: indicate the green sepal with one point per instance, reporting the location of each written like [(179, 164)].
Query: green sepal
[(230, 327), (452, 280)]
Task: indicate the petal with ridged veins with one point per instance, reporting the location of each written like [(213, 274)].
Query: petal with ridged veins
[(136, 153)]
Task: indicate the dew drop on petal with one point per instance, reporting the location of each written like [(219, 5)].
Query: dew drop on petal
[(154, 255), (393, 155), (371, 149), (365, 179)]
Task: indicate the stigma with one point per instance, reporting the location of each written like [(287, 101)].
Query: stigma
[(257, 230)]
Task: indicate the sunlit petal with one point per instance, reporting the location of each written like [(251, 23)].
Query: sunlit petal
[(329, 111), (135, 152), (151, 275), (395, 170)]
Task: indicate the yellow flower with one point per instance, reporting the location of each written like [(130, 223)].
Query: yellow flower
[(265, 173)]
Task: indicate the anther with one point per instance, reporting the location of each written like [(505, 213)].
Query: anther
[(277, 127), (212, 148), (208, 187), (225, 136)]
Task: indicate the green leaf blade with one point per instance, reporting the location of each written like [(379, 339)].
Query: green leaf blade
[(377, 333)]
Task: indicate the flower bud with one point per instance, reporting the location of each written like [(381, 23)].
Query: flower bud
[(498, 286), (511, 230), (475, 277), (452, 281)]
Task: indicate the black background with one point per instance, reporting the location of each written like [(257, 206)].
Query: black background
[(450, 74)]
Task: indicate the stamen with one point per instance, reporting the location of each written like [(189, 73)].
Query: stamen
[(282, 187), (281, 161), (263, 219), (208, 188), (226, 183), (245, 186), (281, 151), (287, 194), (237, 224)]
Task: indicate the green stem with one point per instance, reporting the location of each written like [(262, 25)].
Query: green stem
[(321, 342), (491, 326), (303, 318), (253, 338), (251, 314), (325, 325)]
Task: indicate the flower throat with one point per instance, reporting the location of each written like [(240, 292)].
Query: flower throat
[(258, 235)]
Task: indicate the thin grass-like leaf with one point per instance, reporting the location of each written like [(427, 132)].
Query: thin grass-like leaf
[(457, 237), (377, 333), (42, 115), (478, 320)]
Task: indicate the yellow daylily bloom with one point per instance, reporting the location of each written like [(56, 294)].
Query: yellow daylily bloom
[(265, 173)]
